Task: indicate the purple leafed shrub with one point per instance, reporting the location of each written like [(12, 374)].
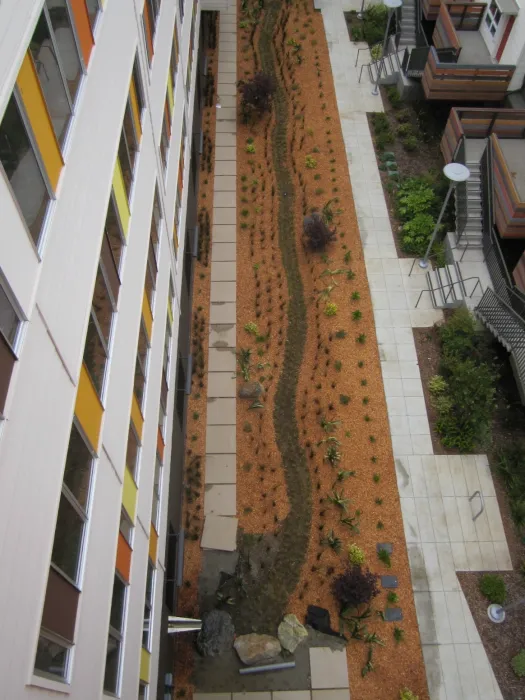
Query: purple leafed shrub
[(256, 95), (316, 232), (355, 587)]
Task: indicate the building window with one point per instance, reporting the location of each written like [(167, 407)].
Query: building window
[(23, 170), (10, 320), (113, 233), (72, 511), (176, 220), (165, 134), (150, 282), (155, 503), (152, 7), (126, 527), (52, 657), (116, 630), (143, 691), (126, 156), (136, 78), (181, 10), (93, 8), (141, 365), (131, 138), (148, 606), (132, 451), (174, 58), (493, 17), (96, 349), (59, 21)]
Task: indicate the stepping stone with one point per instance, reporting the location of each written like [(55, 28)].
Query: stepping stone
[(384, 545), (219, 532), (389, 581), (328, 668), (334, 694), (393, 614)]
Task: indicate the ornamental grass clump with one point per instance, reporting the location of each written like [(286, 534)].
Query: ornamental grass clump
[(493, 588)]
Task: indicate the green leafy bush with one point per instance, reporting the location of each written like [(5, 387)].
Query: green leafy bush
[(310, 162), (380, 122), (518, 664), (403, 115), (510, 462), (437, 385), (459, 337), (393, 97), (374, 23), (414, 196), (407, 694), (384, 139), (405, 130), (330, 309), (416, 234), (410, 143), (493, 587)]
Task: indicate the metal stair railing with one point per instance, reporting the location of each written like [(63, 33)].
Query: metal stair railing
[(506, 323), (378, 65), (441, 288)]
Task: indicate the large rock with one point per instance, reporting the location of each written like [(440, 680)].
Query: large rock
[(217, 633), (291, 633), (257, 648), (251, 390)]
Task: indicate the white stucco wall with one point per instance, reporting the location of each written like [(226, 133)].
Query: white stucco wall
[(55, 294)]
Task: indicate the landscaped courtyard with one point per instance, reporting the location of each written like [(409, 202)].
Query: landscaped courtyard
[(311, 477)]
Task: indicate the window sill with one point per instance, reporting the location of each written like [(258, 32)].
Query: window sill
[(48, 684)]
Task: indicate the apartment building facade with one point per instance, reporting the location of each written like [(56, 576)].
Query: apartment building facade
[(99, 105)]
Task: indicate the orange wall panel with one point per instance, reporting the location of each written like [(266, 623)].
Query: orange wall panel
[(160, 444), (153, 542), (123, 557), (83, 27), (35, 107)]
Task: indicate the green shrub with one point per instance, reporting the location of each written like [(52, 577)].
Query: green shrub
[(407, 694), (410, 143), (330, 309), (416, 234), (510, 462), (405, 130), (459, 337), (380, 122), (374, 23), (414, 196), (384, 139), (355, 554), (437, 385), (357, 33), (310, 162), (518, 664), (403, 115), (393, 97), (493, 587)]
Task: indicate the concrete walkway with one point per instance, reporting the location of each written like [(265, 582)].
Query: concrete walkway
[(220, 499), (441, 535)]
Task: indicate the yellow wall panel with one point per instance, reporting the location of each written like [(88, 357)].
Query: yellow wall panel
[(147, 317), (121, 198), (136, 416), (88, 408), (153, 542), (129, 494), (35, 107), (170, 94), (145, 658), (135, 109), (170, 312)]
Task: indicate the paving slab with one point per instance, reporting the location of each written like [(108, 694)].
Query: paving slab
[(219, 532), (223, 252), (212, 696), (225, 199), (223, 335), (221, 385), (221, 469), (226, 127), (223, 291), (225, 183), (225, 152), (224, 233), (229, 101), (393, 614), (225, 140), (220, 499), (389, 581), (291, 695), (226, 88), (328, 668), (221, 411), (223, 312), (227, 67), (252, 696), (226, 215), (334, 694), (221, 439), (223, 271)]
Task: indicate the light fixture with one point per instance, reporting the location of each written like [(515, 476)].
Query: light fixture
[(455, 172)]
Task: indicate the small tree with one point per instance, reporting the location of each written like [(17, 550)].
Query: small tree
[(317, 233), (256, 96), (355, 587)]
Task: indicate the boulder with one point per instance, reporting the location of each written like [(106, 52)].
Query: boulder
[(217, 633), (291, 633), (257, 648), (251, 390)]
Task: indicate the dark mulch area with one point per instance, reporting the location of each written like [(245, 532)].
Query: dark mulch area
[(428, 124), (503, 641), (508, 425)]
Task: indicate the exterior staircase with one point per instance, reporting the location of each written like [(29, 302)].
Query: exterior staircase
[(469, 208), (504, 318), (389, 65), (449, 289), (407, 24)]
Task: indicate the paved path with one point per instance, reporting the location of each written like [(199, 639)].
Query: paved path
[(220, 500), (441, 536)]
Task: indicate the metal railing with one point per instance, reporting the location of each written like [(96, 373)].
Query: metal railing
[(441, 288)]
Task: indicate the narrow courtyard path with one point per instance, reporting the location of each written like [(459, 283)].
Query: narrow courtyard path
[(434, 489)]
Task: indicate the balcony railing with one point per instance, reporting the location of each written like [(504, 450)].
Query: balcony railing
[(450, 77)]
